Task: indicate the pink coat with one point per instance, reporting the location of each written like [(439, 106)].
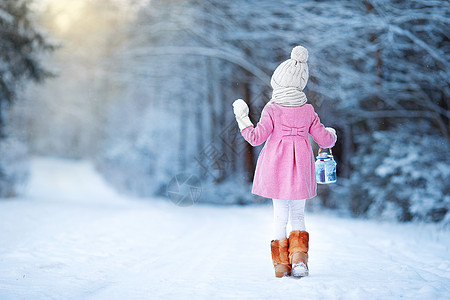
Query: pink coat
[(285, 167)]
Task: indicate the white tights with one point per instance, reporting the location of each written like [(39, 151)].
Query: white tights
[(282, 210)]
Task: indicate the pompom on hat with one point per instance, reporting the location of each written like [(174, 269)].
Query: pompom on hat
[(292, 73), (299, 54)]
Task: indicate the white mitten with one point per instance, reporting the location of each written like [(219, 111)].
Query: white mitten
[(333, 132), (241, 110)]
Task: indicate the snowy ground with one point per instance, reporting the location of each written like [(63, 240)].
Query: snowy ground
[(72, 237)]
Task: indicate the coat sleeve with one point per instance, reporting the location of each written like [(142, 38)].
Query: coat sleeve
[(259, 134), (320, 135)]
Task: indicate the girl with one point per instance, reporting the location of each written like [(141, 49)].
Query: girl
[(285, 169)]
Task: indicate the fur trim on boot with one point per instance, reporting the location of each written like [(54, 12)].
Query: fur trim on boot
[(298, 252), (280, 257)]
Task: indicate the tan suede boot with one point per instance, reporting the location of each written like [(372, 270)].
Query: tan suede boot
[(298, 253), (280, 257)]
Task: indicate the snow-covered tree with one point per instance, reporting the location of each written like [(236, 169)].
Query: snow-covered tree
[(401, 173), (20, 46)]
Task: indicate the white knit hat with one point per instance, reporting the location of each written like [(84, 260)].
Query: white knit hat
[(292, 72)]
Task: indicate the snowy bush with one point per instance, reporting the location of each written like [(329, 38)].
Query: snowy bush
[(129, 159), (14, 166), (401, 173)]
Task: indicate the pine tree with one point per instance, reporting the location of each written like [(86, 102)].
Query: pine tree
[(20, 45)]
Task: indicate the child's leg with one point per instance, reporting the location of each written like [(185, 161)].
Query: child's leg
[(280, 218), (298, 239), (297, 214), (279, 246)]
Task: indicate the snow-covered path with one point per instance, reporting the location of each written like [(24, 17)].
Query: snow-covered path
[(72, 237)]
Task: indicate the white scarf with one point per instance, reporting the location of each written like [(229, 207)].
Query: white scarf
[(288, 96)]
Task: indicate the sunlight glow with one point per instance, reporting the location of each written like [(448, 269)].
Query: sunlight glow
[(65, 12)]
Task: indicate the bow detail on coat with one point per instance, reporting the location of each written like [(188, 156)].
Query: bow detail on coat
[(294, 131)]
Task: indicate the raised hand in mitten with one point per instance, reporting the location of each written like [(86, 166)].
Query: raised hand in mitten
[(241, 111)]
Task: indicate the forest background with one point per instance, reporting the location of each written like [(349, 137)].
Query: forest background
[(144, 90)]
